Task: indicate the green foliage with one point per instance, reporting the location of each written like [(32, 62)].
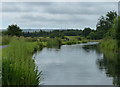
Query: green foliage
[(109, 44), (54, 43), (86, 32), (39, 46), (110, 63), (18, 67), (113, 31), (92, 35), (105, 23), (71, 42), (112, 37), (54, 33), (6, 40), (118, 28), (14, 30)]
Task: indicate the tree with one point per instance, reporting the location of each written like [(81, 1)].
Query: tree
[(14, 30), (86, 32), (92, 35), (105, 23)]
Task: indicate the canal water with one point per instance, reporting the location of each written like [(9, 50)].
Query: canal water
[(80, 64)]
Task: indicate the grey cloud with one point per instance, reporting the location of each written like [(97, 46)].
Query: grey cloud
[(80, 8), (59, 18), (55, 14), (58, 7), (23, 6)]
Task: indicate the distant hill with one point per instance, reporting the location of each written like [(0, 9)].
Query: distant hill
[(37, 30), (47, 30)]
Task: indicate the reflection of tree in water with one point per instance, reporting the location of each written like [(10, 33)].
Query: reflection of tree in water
[(89, 48), (111, 64)]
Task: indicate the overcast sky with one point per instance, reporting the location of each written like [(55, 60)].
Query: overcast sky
[(49, 15)]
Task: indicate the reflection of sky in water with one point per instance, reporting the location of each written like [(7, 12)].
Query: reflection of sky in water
[(71, 65)]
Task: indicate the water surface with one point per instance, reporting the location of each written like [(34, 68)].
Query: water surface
[(72, 65)]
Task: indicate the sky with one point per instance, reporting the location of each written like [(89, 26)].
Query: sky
[(54, 15)]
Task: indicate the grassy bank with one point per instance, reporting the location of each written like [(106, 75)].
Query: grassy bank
[(0, 67), (109, 44), (52, 42), (18, 67)]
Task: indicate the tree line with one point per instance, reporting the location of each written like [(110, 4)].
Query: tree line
[(103, 27)]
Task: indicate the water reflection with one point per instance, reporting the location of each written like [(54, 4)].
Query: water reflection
[(110, 63), (93, 47), (71, 65)]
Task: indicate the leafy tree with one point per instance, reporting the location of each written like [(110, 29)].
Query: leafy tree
[(14, 30), (118, 28), (105, 23), (92, 35), (118, 32), (86, 32)]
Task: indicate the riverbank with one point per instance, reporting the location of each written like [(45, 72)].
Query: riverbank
[(18, 67), (109, 45)]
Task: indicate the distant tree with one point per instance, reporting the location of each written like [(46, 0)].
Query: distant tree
[(86, 32), (92, 35), (14, 30)]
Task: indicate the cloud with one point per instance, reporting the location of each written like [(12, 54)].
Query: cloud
[(54, 14), (59, 0)]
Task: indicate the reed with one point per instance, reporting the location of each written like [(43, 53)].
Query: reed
[(109, 44), (18, 66), (56, 42)]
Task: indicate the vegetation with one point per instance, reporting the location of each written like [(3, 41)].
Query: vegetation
[(13, 30), (109, 44), (5, 40), (105, 23), (0, 67), (111, 37), (18, 67), (54, 43), (111, 64)]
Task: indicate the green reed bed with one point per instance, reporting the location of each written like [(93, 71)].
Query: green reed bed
[(18, 67), (109, 44), (56, 42), (0, 67)]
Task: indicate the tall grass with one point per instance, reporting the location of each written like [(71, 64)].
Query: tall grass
[(0, 67), (109, 44), (5, 40), (54, 43), (18, 67)]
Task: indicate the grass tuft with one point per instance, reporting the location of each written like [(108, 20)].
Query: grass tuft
[(18, 67)]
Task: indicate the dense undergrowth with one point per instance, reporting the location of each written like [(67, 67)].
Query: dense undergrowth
[(109, 44), (18, 66)]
